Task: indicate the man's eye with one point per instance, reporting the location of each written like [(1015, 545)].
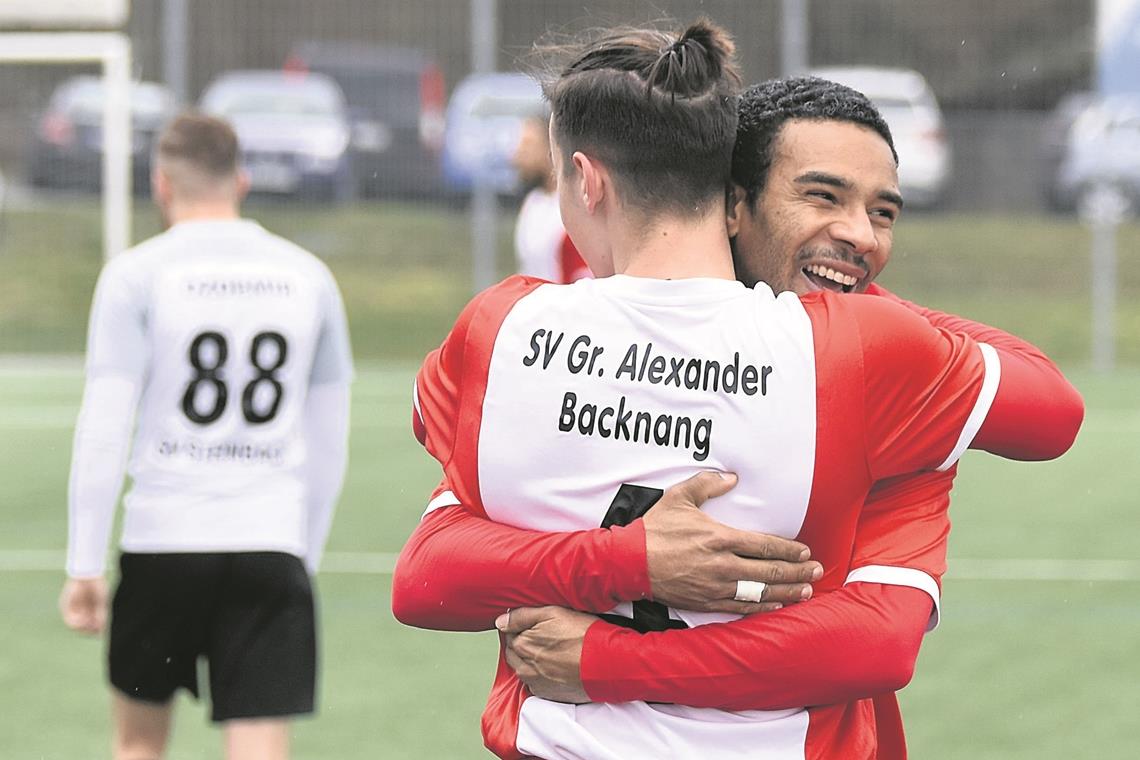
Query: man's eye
[(823, 195), (885, 213)]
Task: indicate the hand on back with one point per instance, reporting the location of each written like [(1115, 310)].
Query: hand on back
[(695, 561)]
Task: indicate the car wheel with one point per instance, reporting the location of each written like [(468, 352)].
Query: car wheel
[(345, 188)]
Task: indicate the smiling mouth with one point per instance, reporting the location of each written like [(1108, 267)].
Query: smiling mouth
[(827, 278)]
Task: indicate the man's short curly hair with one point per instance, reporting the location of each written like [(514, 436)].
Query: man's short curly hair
[(766, 106)]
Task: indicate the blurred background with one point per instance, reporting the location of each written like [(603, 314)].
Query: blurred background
[(366, 126), (378, 134)]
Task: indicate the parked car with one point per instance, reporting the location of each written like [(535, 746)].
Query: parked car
[(907, 103), (293, 130), (1055, 139), (1103, 149), (484, 119), (395, 98), (67, 147)]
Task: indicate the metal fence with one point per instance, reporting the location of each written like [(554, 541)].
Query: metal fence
[(395, 200)]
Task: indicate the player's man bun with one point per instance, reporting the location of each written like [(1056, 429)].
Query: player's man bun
[(658, 108), (695, 62)]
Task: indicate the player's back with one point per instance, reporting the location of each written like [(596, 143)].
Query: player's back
[(605, 386), (233, 317)]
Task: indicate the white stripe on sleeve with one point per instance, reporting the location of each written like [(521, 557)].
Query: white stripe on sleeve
[(890, 575), (416, 401), (981, 407)]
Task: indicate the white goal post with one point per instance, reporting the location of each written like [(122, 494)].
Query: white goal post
[(113, 51)]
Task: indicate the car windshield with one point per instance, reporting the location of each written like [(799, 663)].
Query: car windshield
[(272, 98), (147, 100), (517, 106), (394, 95), (888, 103)]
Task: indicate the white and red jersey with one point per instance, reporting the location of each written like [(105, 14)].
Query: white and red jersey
[(220, 329), (542, 247), (545, 401)]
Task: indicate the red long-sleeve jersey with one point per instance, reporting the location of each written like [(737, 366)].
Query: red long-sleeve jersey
[(808, 647)]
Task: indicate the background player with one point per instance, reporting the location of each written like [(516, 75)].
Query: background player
[(542, 247), (596, 204), (232, 344)]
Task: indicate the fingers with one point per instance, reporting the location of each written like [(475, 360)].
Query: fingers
[(773, 571), (83, 618), (511, 656), (787, 593), (83, 605), (763, 546), (520, 619), (700, 488)]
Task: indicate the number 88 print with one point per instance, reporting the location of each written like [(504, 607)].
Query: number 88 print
[(208, 363)]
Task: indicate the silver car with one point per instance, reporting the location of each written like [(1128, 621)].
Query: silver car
[(293, 129), (907, 103), (1102, 150)]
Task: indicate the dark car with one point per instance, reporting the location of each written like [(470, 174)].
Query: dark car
[(292, 128), (67, 149), (395, 100)]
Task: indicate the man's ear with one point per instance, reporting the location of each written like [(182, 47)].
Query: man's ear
[(241, 184), (593, 180), (736, 202)]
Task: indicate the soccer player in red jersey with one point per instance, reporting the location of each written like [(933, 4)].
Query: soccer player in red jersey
[(881, 561)]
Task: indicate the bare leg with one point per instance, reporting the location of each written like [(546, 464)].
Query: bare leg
[(141, 728), (257, 739)]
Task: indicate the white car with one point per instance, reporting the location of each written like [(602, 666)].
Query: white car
[(907, 103), (293, 129), (1102, 150)]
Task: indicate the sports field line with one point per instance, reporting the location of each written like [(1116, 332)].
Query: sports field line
[(963, 569)]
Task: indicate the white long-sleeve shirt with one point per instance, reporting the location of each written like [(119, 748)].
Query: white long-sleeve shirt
[(232, 346)]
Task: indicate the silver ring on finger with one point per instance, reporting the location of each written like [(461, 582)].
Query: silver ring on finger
[(750, 591)]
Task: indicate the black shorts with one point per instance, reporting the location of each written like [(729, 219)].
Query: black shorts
[(250, 614)]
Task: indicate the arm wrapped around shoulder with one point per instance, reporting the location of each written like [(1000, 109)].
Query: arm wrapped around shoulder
[(1037, 412)]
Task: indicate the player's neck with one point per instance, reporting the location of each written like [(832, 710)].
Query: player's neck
[(200, 212), (672, 248)]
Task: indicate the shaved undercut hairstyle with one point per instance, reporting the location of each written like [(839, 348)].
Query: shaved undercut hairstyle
[(656, 108), (765, 107), (197, 153)]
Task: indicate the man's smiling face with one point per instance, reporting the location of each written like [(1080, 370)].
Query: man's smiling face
[(826, 215)]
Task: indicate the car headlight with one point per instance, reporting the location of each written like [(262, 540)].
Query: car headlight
[(328, 148)]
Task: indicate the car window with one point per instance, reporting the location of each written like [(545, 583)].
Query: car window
[(489, 106), (887, 103), (394, 96), (236, 99), (86, 97)]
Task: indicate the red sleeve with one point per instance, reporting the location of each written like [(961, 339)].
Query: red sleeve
[(852, 643), (459, 571), (902, 534), (447, 397), (1036, 413), (925, 391)]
